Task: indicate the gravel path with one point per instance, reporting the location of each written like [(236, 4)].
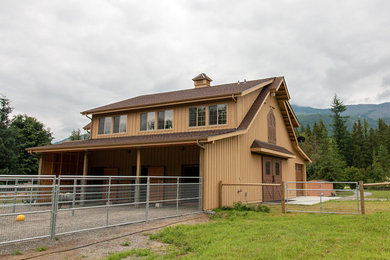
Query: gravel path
[(116, 236)]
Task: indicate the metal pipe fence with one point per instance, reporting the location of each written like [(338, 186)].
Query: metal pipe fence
[(66, 204), (323, 197)]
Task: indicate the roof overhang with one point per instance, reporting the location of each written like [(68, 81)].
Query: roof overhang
[(271, 149), (270, 152)]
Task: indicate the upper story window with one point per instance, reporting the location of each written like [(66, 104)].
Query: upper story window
[(148, 121), (120, 123), (217, 114), (271, 122), (115, 124), (197, 116), (165, 119)]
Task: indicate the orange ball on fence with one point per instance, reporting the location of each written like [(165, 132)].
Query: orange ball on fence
[(20, 218)]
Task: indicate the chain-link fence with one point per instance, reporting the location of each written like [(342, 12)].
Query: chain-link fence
[(322, 197), (60, 205)]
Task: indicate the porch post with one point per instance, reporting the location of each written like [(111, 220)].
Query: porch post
[(83, 182), (40, 164), (137, 179)]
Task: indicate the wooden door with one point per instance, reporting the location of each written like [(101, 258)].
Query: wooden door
[(298, 178), (272, 173)]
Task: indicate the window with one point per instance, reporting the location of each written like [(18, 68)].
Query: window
[(277, 168), (217, 114), (104, 125), (147, 121), (165, 119), (120, 123), (271, 127), (197, 116), (268, 167), (116, 124)]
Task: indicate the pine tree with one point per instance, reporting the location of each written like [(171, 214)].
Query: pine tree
[(340, 132)]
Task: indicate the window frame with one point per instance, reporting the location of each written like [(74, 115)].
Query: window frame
[(156, 120), (102, 127), (217, 119), (164, 119), (197, 116)]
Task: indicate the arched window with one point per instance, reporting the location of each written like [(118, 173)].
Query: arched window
[(271, 127)]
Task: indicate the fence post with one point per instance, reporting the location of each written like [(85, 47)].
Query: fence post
[(361, 187), (287, 196), (74, 196), (220, 194), (320, 197), (283, 197), (54, 205), (108, 200), (15, 193), (147, 199), (31, 191), (177, 195)]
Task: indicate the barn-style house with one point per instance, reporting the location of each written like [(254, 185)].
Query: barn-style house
[(240, 132)]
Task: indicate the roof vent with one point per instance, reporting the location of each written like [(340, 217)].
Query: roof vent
[(202, 80)]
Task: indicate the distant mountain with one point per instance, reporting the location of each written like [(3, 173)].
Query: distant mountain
[(370, 112)]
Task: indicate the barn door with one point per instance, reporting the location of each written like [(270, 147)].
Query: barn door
[(299, 178), (272, 173)]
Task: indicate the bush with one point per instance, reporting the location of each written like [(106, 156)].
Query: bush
[(239, 206)]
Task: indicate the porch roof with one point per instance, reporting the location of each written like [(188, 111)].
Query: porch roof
[(132, 141), (271, 149)]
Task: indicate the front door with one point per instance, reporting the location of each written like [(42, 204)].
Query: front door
[(272, 173)]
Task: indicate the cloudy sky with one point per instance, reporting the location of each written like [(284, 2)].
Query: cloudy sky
[(58, 58)]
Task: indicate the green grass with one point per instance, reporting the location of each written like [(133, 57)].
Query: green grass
[(379, 194), (41, 249), (344, 193), (254, 235), (233, 234), (144, 253)]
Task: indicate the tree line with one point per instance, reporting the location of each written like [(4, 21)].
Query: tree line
[(360, 154), (17, 134)]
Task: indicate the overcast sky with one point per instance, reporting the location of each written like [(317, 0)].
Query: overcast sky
[(58, 58)]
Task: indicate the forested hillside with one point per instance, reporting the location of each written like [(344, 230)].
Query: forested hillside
[(369, 112), (358, 152)]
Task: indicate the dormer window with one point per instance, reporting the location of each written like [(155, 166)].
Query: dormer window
[(120, 123), (112, 124), (217, 114), (197, 116), (148, 121), (165, 119)]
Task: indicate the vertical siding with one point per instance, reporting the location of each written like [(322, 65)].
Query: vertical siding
[(231, 160)]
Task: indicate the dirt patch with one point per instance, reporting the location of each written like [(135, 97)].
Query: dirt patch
[(97, 244)]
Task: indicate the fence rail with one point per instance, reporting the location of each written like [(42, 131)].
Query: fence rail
[(55, 206), (322, 197)]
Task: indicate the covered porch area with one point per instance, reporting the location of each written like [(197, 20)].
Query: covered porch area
[(158, 175)]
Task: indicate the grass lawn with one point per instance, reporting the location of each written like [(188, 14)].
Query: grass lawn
[(256, 235), (379, 194)]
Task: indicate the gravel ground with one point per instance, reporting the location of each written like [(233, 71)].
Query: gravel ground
[(93, 244), (38, 224)]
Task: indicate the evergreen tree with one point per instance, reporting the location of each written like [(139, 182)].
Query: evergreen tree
[(8, 145), (76, 135), (29, 132), (340, 132)]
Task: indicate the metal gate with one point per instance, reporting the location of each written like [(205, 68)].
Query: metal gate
[(54, 206), (322, 197)]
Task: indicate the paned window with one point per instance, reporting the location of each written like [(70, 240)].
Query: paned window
[(165, 119), (217, 114), (120, 123), (197, 116), (147, 121)]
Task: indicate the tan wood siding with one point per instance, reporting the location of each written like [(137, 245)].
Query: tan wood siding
[(230, 160)]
